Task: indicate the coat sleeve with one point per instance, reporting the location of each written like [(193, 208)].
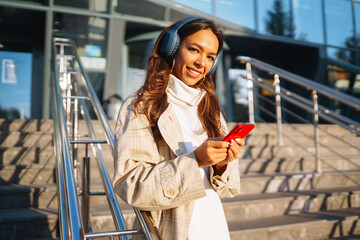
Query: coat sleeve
[(228, 184), (143, 177)]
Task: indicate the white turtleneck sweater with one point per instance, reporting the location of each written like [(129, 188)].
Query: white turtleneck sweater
[(208, 219)]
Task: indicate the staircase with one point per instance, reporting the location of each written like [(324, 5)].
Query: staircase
[(281, 197), (28, 205)]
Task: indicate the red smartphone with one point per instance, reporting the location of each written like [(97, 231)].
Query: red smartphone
[(239, 131)]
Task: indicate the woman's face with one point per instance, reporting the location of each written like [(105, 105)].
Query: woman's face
[(195, 56)]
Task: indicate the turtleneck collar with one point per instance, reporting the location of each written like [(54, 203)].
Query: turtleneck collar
[(184, 93)]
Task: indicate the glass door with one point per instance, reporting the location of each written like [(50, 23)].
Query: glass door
[(15, 85)]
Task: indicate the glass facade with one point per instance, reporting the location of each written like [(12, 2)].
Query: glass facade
[(307, 20), (93, 5), (237, 11), (140, 8), (339, 22), (204, 5), (357, 29), (89, 33), (40, 2), (274, 17), (90, 37)]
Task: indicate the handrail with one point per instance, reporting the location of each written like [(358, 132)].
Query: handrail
[(70, 89), (97, 106), (115, 209), (71, 203), (311, 106), (324, 112), (59, 179), (306, 83)]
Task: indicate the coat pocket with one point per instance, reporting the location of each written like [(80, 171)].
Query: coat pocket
[(168, 181)]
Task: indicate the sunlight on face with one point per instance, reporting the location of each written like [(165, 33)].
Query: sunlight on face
[(195, 56)]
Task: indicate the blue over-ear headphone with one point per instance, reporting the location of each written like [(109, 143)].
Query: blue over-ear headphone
[(170, 42)]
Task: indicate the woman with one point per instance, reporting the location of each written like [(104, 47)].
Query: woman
[(170, 161)]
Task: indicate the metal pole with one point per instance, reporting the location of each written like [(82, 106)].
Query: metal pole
[(316, 131), (278, 109), (86, 191), (75, 138), (250, 93)]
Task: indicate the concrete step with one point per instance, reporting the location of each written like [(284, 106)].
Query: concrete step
[(330, 223), (38, 174), (254, 206), (27, 174), (39, 125), (296, 128), (26, 155), (260, 139), (26, 139), (282, 182), (311, 225), (44, 196), (28, 223), (296, 164), (43, 155), (28, 196), (26, 125), (259, 151)]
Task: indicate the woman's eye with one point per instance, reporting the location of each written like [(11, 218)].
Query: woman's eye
[(193, 49), (211, 58)]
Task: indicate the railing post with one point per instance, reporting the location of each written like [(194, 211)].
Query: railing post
[(278, 109), (250, 93), (316, 131), (75, 137), (86, 191)]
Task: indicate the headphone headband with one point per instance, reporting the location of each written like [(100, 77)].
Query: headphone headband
[(183, 22)]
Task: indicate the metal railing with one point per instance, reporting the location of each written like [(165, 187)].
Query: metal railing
[(72, 91), (307, 103)]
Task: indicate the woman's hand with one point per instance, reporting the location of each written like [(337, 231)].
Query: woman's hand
[(211, 152), (233, 153), (216, 152)]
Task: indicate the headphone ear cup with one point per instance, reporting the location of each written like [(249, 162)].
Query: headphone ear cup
[(176, 45), (214, 66), (165, 44)]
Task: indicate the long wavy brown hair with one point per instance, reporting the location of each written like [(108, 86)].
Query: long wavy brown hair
[(152, 98)]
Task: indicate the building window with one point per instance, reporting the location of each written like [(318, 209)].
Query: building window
[(203, 5), (308, 21), (342, 54), (140, 8), (240, 12), (176, 15), (339, 27), (39, 2), (93, 5), (90, 37), (357, 24), (275, 17), (85, 31)]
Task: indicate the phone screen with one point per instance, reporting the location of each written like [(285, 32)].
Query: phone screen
[(239, 131)]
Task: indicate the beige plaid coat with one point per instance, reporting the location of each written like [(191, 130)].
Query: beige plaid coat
[(159, 177)]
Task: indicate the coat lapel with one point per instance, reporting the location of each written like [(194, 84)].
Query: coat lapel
[(171, 131)]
